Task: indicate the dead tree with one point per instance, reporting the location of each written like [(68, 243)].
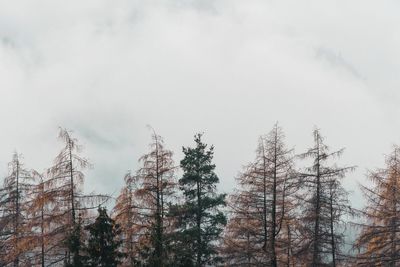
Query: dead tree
[(65, 180), (263, 206), (156, 189), (325, 203), (241, 243), (151, 190), (125, 214), (44, 216), (379, 241), (14, 230)]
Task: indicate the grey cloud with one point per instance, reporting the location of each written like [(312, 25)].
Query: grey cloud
[(230, 68), (336, 59)]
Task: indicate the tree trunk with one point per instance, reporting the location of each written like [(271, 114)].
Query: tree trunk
[(264, 202), (393, 221), (333, 245), (71, 170), (130, 237), (199, 249), (72, 193), (42, 234), (16, 230), (273, 219), (316, 238), (159, 236)]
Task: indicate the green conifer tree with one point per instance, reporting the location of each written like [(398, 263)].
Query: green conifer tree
[(103, 245), (76, 246), (201, 219)]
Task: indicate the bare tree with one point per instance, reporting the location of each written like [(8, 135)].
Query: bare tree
[(44, 216), (379, 240), (14, 199), (263, 207), (65, 181), (143, 206), (157, 187), (241, 243), (325, 203), (125, 213)]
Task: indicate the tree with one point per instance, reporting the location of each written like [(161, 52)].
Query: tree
[(325, 204), (241, 244), (202, 220), (263, 208), (126, 215), (103, 246), (155, 190), (378, 242), (41, 217), (143, 205), (65, 181), (14, 199), (76, 246)]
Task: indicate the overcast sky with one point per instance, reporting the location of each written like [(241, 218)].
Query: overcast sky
[(229, 68)]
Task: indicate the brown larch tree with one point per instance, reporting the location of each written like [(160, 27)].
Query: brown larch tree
[(155, 188), (241, 243), (325, 204), (125, 213), (44, 217), (14, 221), (263, 207), (65, 181), (379, 241)]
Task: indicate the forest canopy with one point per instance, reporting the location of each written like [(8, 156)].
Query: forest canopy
[(287, 209)]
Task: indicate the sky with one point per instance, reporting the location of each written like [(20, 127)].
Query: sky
[(229, 68)]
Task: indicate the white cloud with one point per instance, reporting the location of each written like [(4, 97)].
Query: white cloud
[(229, 68)]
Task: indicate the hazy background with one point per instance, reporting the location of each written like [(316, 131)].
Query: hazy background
[(229, 68)]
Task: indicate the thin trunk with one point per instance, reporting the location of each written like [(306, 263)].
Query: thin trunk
[(158, 213), (394, 218), (333, 244), (273, 230), (16, 230), (264, 200), (71, 170), (316, 258), (42, 235), (198, 222), (289, 245), (130, 237), (41, 198)]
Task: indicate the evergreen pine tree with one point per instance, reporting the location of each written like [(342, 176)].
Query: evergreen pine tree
[(76, 246), (201, 221), (103, 245)]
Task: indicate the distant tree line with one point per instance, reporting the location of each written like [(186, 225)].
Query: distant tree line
[(287, 210)]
